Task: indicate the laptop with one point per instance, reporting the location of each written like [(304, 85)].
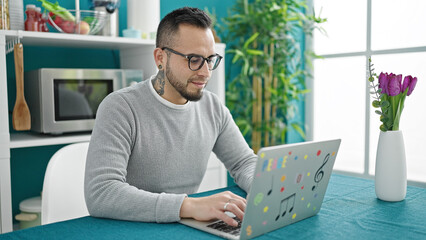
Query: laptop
[(288, 186)]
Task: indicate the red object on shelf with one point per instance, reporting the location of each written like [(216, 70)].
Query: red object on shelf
[(43, 23), (31, 23)]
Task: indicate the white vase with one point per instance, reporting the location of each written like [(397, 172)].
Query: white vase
[(391, 169)]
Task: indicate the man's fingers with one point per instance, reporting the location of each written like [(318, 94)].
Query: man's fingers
[(214, 207), (236, 210), (227, 219), (240, 203)]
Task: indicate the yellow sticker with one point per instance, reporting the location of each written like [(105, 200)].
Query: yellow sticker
[(265, 209)]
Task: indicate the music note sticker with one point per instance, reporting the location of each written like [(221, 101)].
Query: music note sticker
[(320, 173), (272, 185), (288, 204)]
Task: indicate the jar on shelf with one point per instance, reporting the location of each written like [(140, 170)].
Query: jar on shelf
[(31, 23), (4, 15), (30, 215)]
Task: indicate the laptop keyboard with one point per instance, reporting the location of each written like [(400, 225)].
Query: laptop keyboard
[(223, 227)]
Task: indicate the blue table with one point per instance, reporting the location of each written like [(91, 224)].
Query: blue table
[(350, 211)]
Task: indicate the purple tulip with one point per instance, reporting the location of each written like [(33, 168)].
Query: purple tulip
[(383, 82), (394, 87), (410, 83), (407, 80), (411, 86)]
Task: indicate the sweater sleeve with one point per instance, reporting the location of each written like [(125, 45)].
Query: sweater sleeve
[(107, 193), (232, 149)]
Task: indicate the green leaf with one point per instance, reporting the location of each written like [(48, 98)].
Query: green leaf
[(384, 104), (298, 130), (238, 54), (251, 39), (254, 52), (376, 104), (399, 111)]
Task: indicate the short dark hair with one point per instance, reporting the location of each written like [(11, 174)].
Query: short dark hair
[(169, 25)]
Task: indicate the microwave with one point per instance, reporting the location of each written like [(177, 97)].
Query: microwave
[(66, 100)]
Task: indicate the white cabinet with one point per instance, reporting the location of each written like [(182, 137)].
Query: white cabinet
[(134, 53)]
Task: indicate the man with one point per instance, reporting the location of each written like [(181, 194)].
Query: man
[(151, 142)]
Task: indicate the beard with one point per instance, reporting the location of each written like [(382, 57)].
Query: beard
[(182, 88)]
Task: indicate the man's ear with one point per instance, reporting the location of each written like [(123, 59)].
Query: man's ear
[(159, 58)]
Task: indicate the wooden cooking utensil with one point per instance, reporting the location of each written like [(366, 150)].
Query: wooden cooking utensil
[(21, 118)]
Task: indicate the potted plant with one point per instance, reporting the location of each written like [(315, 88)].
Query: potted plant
[(389, 93), (265, 40)]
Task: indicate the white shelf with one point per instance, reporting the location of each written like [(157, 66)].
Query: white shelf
[(73, 40), (22, 140)]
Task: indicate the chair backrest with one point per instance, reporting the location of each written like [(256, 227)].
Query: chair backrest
[(63, 186)]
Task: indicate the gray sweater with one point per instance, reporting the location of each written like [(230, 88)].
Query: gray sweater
[(146, 154)]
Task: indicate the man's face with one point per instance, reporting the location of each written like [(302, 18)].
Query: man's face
[(186, 83)]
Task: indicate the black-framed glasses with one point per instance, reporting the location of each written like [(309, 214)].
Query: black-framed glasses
[(196, 62)]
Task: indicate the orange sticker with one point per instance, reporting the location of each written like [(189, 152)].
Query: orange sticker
[(248, 230)]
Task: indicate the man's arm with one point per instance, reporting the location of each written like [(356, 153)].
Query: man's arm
[(232, 149)]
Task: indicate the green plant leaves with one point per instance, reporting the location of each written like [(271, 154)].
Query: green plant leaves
[(376, 103), (264, 38)]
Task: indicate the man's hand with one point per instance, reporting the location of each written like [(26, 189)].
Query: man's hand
[(214, 207)]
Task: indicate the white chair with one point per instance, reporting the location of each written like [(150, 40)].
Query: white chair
[(63, 186)]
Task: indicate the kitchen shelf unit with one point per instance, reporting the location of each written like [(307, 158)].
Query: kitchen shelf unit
[(134, 54)]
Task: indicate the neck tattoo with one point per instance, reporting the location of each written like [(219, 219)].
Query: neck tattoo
[(158, 82)]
